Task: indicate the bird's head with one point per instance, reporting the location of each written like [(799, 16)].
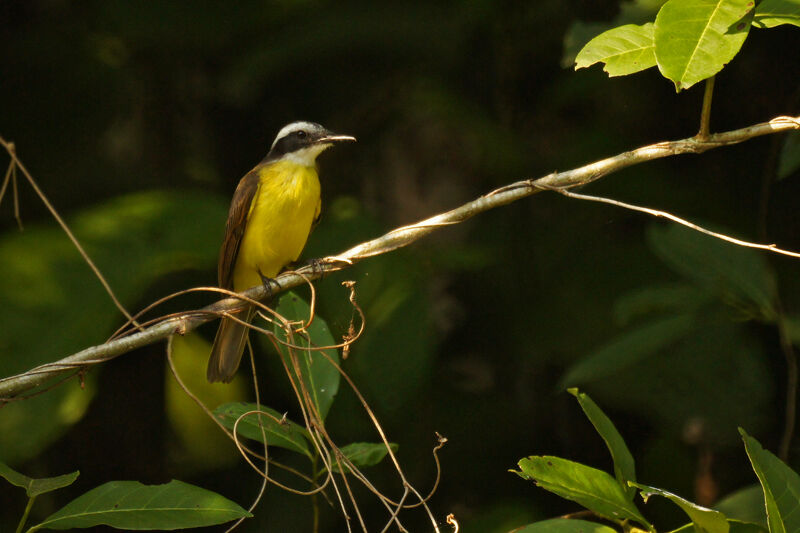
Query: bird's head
[(302, 142)]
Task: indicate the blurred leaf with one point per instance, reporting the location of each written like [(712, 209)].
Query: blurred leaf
[(201, 445), (35, 487), (781, 487), (624, 50), (628, 348), (712, 379), (789, 160), (735, 526), (564, 525), (134, 240), (28, 427), (624, 466), (746, 505), (131, 505), (705, 520), (791, 325), (740, 275), (501, 516), (279, 431), (590, 487), (694, 39), (316, 367), (771, 13), (363, 454), (387, 29), (678, 297)]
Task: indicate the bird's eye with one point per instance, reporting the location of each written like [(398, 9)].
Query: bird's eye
[(301, 134)]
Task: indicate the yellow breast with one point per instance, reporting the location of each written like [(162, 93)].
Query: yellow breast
[(283, 209)]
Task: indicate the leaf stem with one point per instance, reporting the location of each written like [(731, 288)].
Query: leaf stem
[(705, 114), (25, 514)]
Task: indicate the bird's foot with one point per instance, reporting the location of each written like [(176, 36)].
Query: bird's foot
[(268, 284)]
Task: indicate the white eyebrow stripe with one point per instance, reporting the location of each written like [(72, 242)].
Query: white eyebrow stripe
[(294, 126)]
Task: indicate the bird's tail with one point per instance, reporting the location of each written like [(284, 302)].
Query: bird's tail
[(228, 347)]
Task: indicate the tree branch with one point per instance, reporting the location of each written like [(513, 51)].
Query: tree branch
[(397, 238)]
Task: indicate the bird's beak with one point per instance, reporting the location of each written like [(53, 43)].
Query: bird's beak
[(334, 138)]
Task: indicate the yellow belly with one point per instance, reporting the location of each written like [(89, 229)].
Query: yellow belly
[(280, 219)]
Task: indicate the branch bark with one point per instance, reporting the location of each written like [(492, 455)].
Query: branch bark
[(15, 385)]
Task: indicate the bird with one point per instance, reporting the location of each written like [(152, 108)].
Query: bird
[(273, 210)]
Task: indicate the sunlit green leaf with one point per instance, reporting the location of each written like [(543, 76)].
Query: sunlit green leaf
[(771, 13), (594, 489), (694, 39), (279, 431), (624, 50), (705, 520), (34, 487), (579, 33), (781, 487), (131, 505), (320, 376), (624, 466)]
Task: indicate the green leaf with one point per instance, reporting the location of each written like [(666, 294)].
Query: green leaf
[(580, 32), (694, 39), (624, 50), (624, 466), (745, 505), (741, 276), (279, 431), (713, 378), (789, 161), (35, 487), (629, 348), (594, 489), (781, 487), (320, 376), (131, 505), (791, 326), (363, 454), (705, 520), (771, 13), (564, 525), (736, 526), (677, 297)]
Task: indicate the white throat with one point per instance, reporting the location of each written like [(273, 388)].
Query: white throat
[(306, 156)]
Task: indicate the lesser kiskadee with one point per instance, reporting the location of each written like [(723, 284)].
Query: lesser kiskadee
[(271, 214)]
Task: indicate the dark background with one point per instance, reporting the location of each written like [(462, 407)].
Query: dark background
[(138, 119)]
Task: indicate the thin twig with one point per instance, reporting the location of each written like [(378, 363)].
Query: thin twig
[(679, 220), (398, 238)]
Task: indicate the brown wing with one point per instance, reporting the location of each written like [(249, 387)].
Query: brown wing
[(234, 228)]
